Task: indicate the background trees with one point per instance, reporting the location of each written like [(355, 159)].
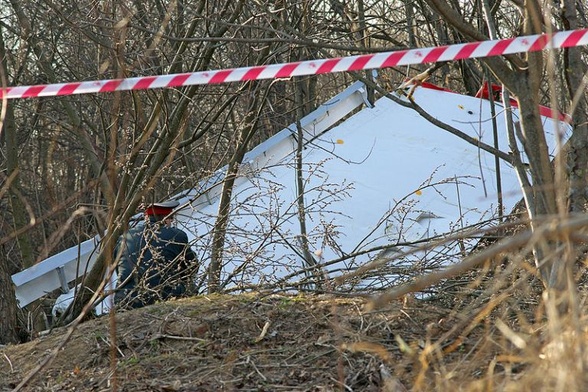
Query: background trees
[(533, 79), (75, 166)]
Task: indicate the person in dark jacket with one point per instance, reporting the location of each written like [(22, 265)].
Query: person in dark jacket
[(155, 261)]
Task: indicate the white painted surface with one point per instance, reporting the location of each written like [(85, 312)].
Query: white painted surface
[(381, 166), (43, 278)]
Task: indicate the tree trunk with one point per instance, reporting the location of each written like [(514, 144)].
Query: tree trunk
[(224, 206), (523, 77), (18, 209), (8, 307), (574, 70), (535, 146), (310, 262)]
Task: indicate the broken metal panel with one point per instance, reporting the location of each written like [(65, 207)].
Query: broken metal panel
[(376, 178), (384, 176), (58, 271), (55, 272)]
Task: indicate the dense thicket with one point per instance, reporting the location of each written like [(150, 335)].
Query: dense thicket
[(75, 166)]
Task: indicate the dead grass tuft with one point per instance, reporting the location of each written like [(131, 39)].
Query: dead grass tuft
[(484, 331)]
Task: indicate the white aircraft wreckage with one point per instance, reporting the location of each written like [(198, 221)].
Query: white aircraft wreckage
[(378, 182)]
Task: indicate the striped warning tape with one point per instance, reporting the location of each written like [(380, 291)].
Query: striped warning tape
[(564, 39)]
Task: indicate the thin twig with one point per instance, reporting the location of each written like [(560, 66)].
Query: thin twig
[(263, 332), (550, 229), (250, 362), (9, 362), (50, 357), (174, 337)]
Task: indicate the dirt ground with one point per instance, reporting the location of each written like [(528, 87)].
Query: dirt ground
[(285, 343)]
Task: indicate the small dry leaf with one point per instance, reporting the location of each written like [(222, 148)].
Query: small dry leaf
[(389, 382), (173, 387), (511, 335), (368, 347), (231, 357), (403, 346), (323, 339)]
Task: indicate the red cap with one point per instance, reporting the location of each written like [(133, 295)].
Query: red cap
[(165, 208)]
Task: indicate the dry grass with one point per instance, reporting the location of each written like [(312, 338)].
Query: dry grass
[(490, 328), (485, 331)]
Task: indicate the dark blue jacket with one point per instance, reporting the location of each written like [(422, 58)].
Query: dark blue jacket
[(155, 263)]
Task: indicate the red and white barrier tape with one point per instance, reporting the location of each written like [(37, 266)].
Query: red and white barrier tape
[(564, 39)]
